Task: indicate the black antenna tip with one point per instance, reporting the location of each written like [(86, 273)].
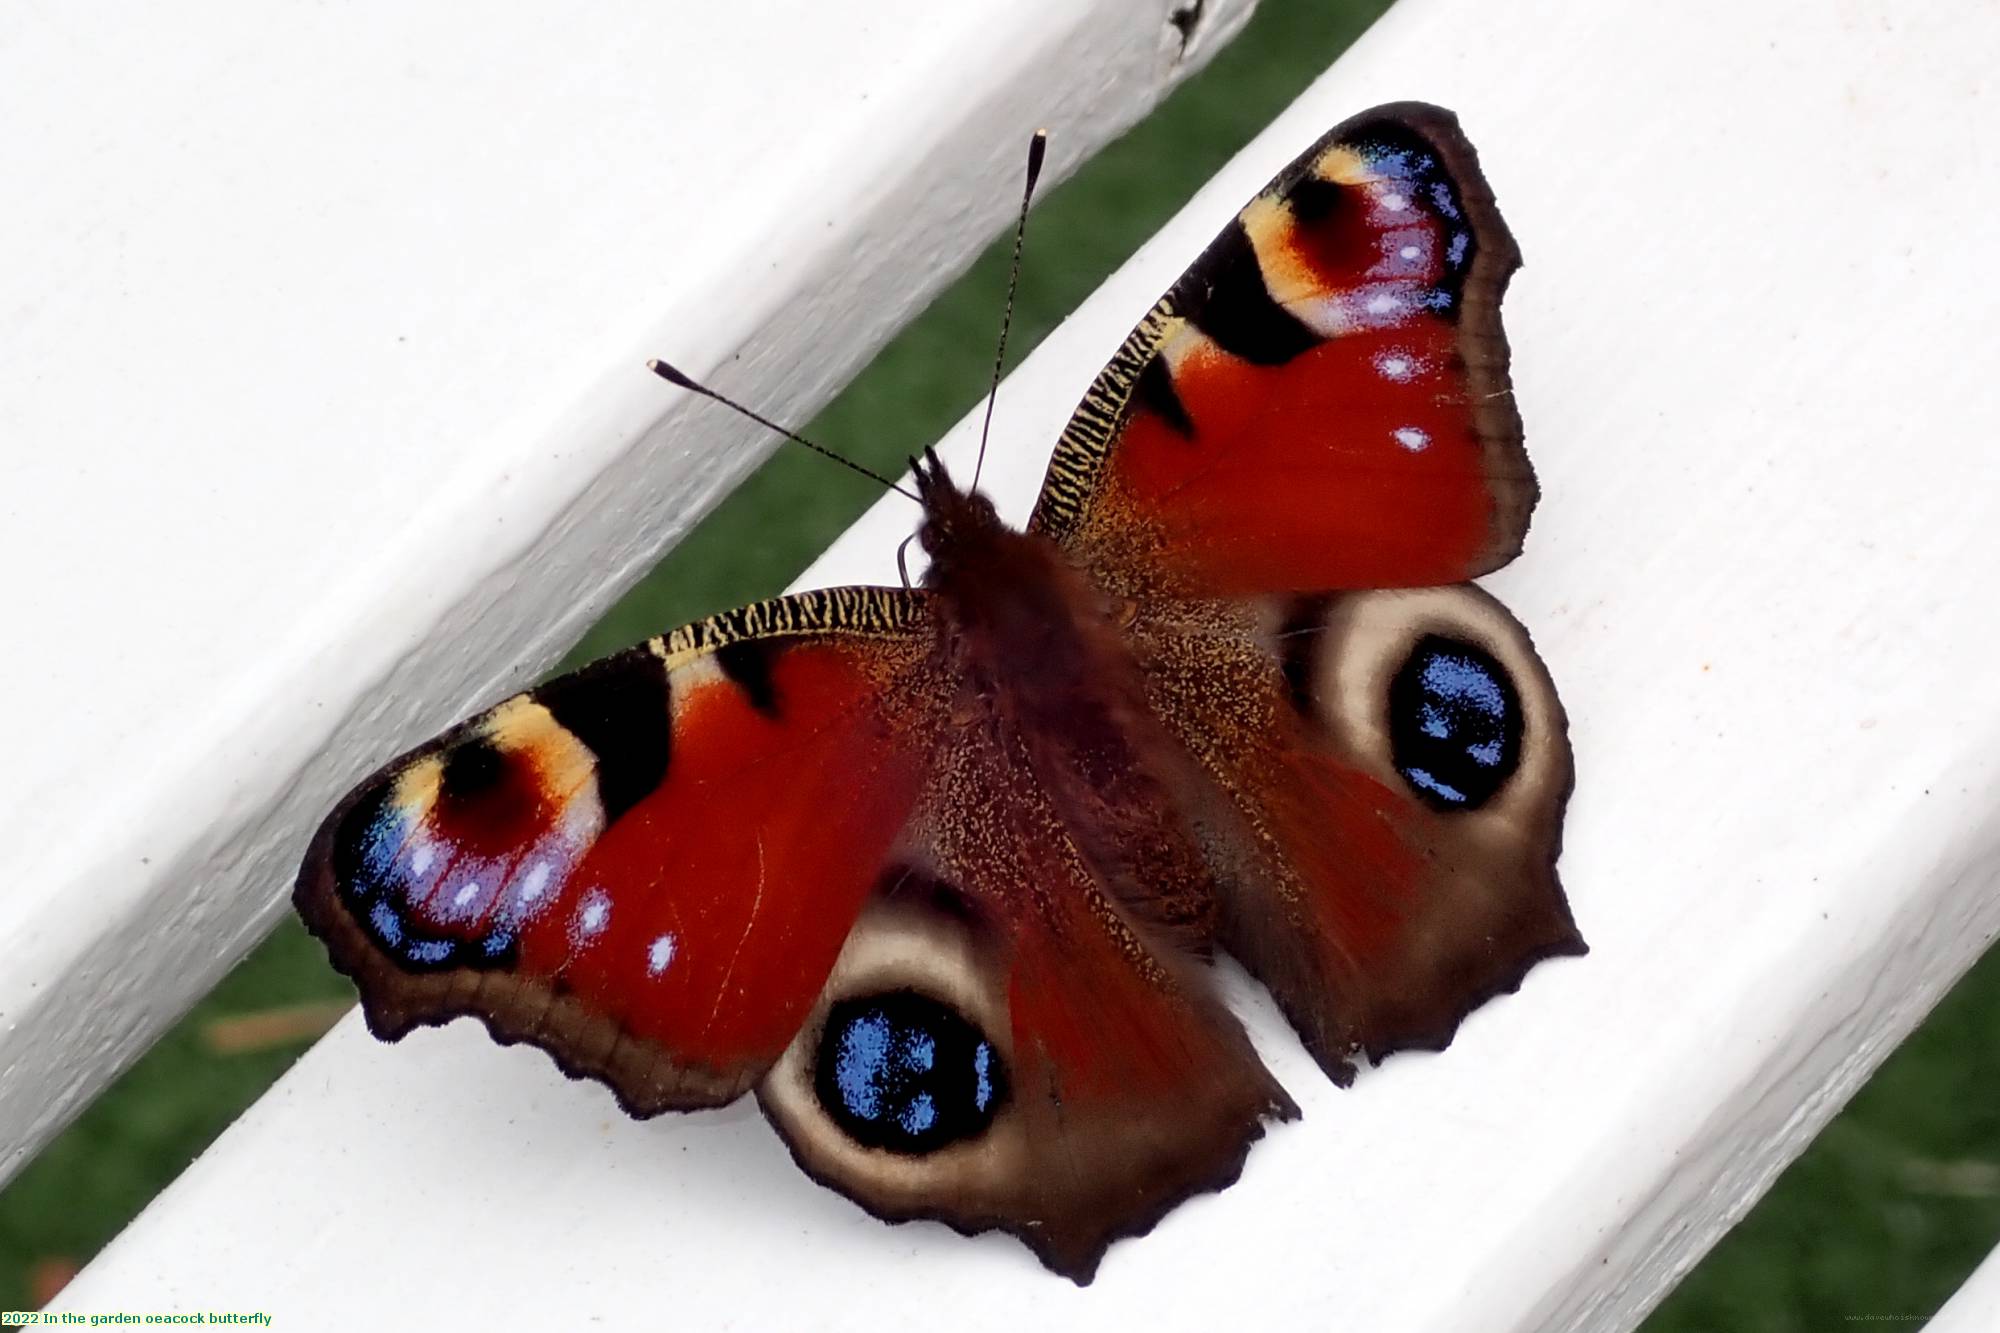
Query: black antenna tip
[(671, 376), (1038, 148)]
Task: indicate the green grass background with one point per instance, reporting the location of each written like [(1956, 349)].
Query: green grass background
[(1885, 1215)]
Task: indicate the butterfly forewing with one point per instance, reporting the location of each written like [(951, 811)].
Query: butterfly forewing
[(1322, 401), (646, 868)]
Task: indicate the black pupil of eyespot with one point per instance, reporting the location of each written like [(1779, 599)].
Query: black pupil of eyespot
[(906, 1073), (471, 768), (1454, 723)]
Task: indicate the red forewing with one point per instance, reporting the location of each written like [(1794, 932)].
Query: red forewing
[(646, 868), (1322, 401)]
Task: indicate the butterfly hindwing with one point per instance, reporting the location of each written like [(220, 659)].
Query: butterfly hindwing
[(646, 868), (1395, 766), (1005, 1043), (1322, 400)]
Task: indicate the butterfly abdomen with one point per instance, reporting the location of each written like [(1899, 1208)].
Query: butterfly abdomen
[(1054, 678)]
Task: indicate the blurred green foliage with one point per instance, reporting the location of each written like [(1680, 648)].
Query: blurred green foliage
[(1885, 1215)]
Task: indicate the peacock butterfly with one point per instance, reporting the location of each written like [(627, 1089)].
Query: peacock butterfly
[(935, 869)]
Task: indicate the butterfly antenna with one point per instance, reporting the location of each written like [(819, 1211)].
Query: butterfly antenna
[(1037, 149), (672, 376)]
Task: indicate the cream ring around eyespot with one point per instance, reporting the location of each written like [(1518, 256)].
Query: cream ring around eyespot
[(1367, 637), (898, 946)]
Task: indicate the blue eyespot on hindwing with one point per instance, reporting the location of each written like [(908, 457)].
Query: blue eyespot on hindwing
[(906, 1073), (1454, 723)]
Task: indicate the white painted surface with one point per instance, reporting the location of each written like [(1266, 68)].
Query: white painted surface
[(1976, 1307), (1754, 354), (324, 413)]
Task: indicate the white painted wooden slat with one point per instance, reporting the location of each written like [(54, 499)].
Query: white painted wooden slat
[(324, 412), (1976, 1306), (1753, 353)]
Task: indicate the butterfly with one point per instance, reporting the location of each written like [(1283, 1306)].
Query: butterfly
[(935, 871)]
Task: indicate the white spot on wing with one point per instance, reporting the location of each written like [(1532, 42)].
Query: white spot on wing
[(422, 860), (1395, 203), (659, 953), (1383, 304), (1397, 366), (1411, 438), (465, 895), (536, 883), (593, 914)]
